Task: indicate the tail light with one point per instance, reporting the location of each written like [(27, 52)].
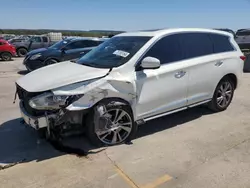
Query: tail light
[(243, 58)]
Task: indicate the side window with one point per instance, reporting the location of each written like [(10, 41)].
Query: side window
[(45, 39), (196, 44), (1, 43), (37, 39), (221, 43), (75, 45), (167, 49), (90, 43)]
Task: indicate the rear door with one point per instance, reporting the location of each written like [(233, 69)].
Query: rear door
[(88, 45), (45, 42), (205, 63)]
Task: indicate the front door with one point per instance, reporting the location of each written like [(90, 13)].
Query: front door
[(35, 43), (163, 89)]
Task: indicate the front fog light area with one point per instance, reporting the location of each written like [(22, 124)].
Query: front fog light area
[(49, 101)]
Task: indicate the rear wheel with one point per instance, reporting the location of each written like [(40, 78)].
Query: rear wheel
[(223, 95), (6, 56), (114, 125), (21, 52)]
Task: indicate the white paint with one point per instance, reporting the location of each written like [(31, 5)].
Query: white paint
[(149, 92)]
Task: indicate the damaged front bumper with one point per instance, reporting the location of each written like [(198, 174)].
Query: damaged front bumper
[(35, 122)]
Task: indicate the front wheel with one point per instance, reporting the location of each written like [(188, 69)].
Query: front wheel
[(223, 95), (109, 124)]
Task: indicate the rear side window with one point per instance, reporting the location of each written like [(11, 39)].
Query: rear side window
[(196, 44), (37, 39), (90, 43), (45, 39), (75, 45), (167, 49), (221, 43)]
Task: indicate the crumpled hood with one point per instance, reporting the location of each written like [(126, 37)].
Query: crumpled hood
[(58, 75)]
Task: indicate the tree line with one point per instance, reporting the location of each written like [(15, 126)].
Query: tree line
[(94, 33)]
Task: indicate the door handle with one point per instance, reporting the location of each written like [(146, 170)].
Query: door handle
[(218, 63), (180, 74)]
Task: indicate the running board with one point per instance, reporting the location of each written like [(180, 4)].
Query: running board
[(142, 121)]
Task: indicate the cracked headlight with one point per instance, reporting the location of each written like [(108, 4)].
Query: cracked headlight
[(48, 101), (35, 56)]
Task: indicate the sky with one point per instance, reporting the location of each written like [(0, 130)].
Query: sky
[(126, 15)]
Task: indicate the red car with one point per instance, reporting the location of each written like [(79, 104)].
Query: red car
[(7, 50)]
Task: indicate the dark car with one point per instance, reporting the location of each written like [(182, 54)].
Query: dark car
[(64, 50), (243, 38)]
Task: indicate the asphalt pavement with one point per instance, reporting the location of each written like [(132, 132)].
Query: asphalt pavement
[(193, 148)]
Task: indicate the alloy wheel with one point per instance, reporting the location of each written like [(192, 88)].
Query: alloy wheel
[(117, 128), (224, 94)]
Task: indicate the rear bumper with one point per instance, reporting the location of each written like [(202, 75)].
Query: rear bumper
[(35, 122)]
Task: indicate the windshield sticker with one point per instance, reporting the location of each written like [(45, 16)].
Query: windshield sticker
[(121, 53), (65, 42)]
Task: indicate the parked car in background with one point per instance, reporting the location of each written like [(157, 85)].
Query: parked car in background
[(68, 49), (130, 79), (19, 39), (227, 30), (243, 38), (35, 42), (7, 51)]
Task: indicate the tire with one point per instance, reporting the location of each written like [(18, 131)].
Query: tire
[(223, 95), (50, 62), (21, 52), (124, 134), (6, 56)]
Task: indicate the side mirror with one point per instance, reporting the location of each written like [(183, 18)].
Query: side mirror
[(63, 49), (150, 63)]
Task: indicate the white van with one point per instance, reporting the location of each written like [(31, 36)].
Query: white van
[(130, 79)]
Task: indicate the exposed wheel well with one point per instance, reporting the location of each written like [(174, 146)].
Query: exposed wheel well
[(52, 59), (21, 47), (233, 78), (5, 52), (107, 101), (116, 99)]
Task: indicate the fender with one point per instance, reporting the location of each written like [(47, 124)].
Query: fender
[(96, 90)]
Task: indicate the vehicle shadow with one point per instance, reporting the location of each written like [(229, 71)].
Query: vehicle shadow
[(172, 120), (23, 72), (19, 142)]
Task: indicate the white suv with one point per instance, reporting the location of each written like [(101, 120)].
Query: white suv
[(130, 79)]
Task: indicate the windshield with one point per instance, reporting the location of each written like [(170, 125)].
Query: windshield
[(114, 52), (59, 44)]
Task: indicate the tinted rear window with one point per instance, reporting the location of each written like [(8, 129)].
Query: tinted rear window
[(196, 44), (221, 43)]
